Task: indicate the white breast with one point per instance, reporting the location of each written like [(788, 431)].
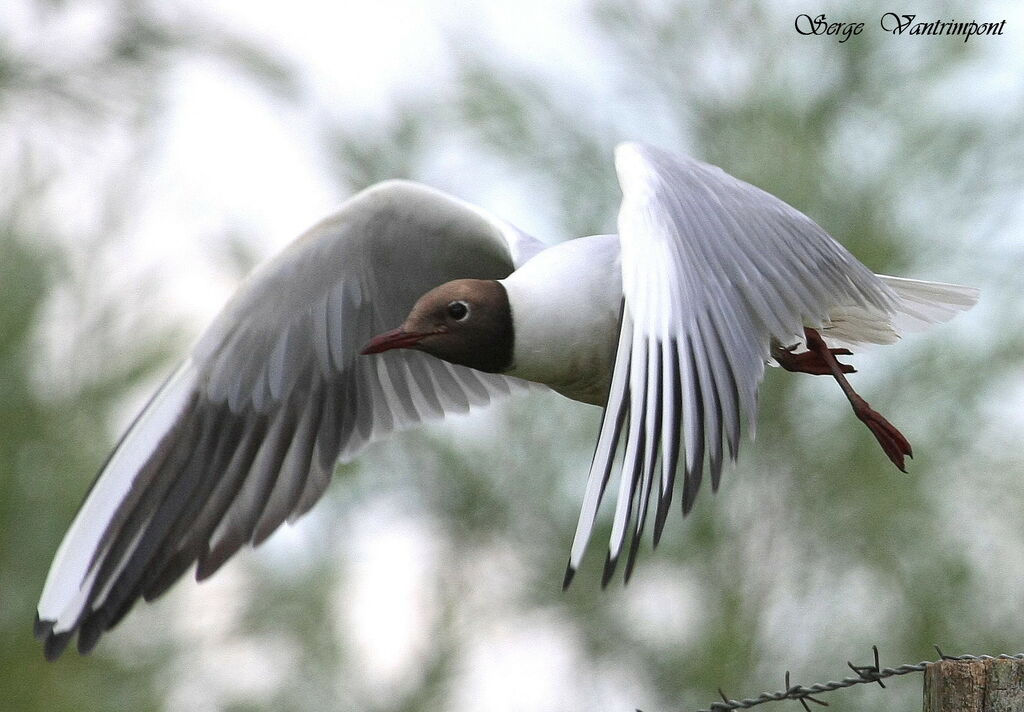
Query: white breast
[(565, 311)]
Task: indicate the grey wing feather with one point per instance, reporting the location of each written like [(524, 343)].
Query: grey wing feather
[(246, 434), (713, 270)]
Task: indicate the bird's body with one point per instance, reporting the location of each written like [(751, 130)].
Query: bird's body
[(668, 325)]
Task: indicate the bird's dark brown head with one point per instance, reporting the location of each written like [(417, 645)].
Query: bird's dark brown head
[(466, 322)]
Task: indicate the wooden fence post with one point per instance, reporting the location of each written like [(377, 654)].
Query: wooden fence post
[(974, 686)]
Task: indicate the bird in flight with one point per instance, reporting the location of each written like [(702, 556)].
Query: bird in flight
[(408, 304)]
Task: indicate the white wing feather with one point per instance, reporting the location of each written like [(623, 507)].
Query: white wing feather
[(713, 269)]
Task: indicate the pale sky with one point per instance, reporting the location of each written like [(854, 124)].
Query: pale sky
[(234, 161)]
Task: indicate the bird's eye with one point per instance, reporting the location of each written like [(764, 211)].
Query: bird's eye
[(458, 310)]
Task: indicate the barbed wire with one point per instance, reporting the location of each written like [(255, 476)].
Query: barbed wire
[(865, 674)]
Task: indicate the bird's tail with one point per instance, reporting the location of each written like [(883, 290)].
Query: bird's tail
[(916, 306), (921, 304)]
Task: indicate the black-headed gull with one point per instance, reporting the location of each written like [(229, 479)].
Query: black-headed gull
[(668, 325)]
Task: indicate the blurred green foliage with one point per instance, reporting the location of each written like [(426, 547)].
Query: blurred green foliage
[(814, 548), (44, 443)]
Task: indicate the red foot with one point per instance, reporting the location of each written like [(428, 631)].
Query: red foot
[(891, 439), (810, 361)]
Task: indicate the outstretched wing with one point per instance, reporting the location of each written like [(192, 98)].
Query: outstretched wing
[(246, 432), (713, 269)]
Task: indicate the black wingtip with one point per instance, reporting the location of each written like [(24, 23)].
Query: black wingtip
[(691, 486), (570, 573), (609, 570), (661, 516), (173, 570), (689, 497), (634, 548), (212, 559), (55, 644), (91, 629), (41, 628), (716, 473), (264, 528)]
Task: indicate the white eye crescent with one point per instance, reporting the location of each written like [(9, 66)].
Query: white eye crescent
[(458, 310)]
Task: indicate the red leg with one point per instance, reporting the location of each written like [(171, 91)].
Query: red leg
[(891, 439)]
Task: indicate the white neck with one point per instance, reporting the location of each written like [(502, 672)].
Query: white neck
[(565, 311)]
